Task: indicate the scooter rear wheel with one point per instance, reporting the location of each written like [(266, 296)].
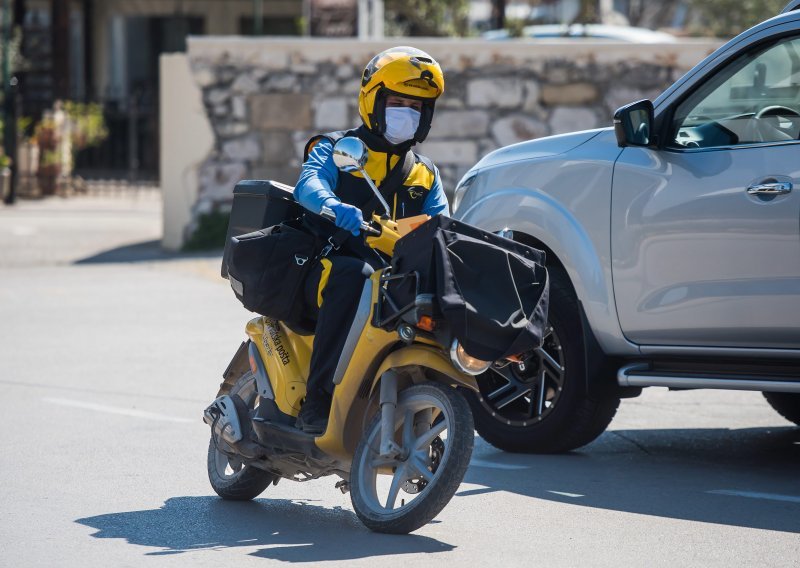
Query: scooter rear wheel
[(230, 478), (435, 429)]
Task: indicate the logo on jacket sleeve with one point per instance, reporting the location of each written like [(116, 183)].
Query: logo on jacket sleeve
[(300, 260)]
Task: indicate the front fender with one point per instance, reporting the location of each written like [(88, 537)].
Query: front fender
[(538, 214), (582, 250), (427, 358)]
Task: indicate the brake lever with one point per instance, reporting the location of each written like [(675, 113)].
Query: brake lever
[(327, 213)]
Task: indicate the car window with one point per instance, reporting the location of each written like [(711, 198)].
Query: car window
[(755, 99)]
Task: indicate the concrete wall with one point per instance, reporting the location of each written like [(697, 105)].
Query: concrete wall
[(186, 141), (265, 97)]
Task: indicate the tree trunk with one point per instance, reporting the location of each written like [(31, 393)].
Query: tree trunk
[(498, 21)]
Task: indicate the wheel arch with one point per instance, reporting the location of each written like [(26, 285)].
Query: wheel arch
[(599, 364), (537, 218), (572, 243)]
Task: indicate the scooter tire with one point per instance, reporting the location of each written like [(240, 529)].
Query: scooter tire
[(446, 479), (248, 484)]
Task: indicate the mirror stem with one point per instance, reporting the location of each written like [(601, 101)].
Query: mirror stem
[(375, 190)]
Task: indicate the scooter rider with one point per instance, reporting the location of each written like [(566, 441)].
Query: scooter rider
[(399, 88)]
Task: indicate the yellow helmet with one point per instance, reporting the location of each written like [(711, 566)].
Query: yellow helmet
[(405, 72)]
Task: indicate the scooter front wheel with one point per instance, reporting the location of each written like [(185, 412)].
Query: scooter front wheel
[(433, 425)]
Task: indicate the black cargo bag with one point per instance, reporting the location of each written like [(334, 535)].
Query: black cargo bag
[(493, 292), (267, 268), (258, 204)]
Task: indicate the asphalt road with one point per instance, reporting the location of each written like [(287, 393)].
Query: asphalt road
[(110, 349)]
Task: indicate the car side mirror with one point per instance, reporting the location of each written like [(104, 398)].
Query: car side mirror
[(633, 124), (350, 154)]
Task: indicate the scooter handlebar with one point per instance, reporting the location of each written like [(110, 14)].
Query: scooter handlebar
[(328, 214)]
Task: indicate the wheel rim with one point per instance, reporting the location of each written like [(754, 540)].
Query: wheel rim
[(521, 394), (227, 467), (389, 487)]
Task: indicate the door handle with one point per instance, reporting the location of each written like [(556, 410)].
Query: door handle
[(771, 188)]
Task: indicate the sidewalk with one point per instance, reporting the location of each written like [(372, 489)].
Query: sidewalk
[(58, 230), (124, 226)]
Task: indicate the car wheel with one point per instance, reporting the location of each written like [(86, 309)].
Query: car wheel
[(540, 405), (787, 404)]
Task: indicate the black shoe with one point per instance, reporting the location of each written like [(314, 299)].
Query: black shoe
[(313, 417)]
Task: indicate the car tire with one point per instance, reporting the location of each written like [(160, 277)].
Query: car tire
[(573, 418), (787, 404)]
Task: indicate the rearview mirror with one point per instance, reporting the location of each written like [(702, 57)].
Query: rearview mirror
[(350, 154), (633, 124)]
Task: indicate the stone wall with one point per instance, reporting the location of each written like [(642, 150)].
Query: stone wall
[(265, 97)]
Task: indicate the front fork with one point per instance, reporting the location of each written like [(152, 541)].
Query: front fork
[(388, 401), (389, 449)]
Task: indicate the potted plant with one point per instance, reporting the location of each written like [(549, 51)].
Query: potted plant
[(47, 139), (85, 128)]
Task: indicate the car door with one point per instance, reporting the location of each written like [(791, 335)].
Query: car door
[(706, 229)]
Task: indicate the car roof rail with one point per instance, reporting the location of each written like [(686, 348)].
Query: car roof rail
[(791, 6)]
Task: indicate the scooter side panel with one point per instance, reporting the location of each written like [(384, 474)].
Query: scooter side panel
[(348, 406), (286, 360)]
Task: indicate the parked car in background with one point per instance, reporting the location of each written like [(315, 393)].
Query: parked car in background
[(586, 31), (673, 244)]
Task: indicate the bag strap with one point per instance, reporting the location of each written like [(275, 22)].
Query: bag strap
[(394, 180), (390, 185)]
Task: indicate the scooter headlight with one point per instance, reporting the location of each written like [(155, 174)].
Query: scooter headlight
[(465, 362)]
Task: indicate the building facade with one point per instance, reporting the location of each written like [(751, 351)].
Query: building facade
[(107, 51)]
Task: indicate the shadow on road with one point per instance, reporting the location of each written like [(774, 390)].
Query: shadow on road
[(147, 251), (745, 478), (292, 531)]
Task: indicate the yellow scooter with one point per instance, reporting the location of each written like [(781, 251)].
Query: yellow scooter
[(399, 435)]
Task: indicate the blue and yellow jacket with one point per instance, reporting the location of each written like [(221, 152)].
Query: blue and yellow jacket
[(321, 183)]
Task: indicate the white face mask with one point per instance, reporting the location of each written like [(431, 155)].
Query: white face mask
[(401, 124)]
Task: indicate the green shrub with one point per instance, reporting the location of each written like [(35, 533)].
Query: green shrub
[(88, 124), (210, 233)]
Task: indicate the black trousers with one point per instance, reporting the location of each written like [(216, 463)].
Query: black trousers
[(332, 291)]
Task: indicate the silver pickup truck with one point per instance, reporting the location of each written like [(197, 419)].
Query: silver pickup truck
[(673, 243)]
